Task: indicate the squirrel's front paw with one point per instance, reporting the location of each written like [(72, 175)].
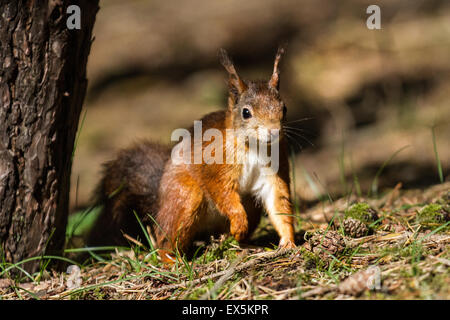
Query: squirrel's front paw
[(239, 229), (286, 243), (167, 258)]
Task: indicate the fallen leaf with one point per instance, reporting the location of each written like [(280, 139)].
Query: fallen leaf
[(5, 283)]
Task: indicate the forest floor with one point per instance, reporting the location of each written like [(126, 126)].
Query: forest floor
[(396, 247)]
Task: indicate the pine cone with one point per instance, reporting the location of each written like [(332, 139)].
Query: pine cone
[(355, 228), (369, 279), (446, 197), (324, 244), (445, 214)]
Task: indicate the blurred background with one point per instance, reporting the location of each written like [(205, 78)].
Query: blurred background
[(370, 97)]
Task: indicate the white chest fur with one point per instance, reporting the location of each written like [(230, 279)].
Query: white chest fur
[(256, 177)]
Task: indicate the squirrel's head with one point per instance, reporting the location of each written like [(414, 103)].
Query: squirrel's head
[(255, 107)]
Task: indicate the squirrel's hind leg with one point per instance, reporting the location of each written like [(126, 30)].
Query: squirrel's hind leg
[(182, 202)]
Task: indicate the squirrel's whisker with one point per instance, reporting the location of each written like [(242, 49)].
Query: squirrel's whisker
[(300, 129), (296, 143), (299, 120), (301, 136)]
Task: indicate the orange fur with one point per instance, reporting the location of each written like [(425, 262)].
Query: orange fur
[(189, 193)]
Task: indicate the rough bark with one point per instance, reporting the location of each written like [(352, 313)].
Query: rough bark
[(42, 88)]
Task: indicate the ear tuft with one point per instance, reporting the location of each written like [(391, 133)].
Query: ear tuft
[(235, 83), (274, 81), (225, 59)]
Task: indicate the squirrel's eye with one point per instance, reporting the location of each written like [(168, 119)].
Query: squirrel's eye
[(246, 113)]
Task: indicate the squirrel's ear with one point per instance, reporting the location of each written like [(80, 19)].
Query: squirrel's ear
[(235, 84), (274, 81)]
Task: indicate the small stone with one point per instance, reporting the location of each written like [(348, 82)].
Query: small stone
[(74, 280), (5, 283)]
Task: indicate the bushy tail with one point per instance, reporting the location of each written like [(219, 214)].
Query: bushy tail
[(129, 184)]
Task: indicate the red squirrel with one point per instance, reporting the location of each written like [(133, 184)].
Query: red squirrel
[(182, 201)]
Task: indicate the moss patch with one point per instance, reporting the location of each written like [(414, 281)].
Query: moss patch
[(433, 215), (220, 250), (362, 211)]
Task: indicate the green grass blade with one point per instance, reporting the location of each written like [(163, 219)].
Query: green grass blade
[(342, 167), (87, 249), (436, 154), (78, 135), (293, 193), (355, 179), (144, 231), (374, 187), (36, 258)]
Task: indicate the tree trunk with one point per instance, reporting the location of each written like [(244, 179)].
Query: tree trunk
[(42, 88)]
